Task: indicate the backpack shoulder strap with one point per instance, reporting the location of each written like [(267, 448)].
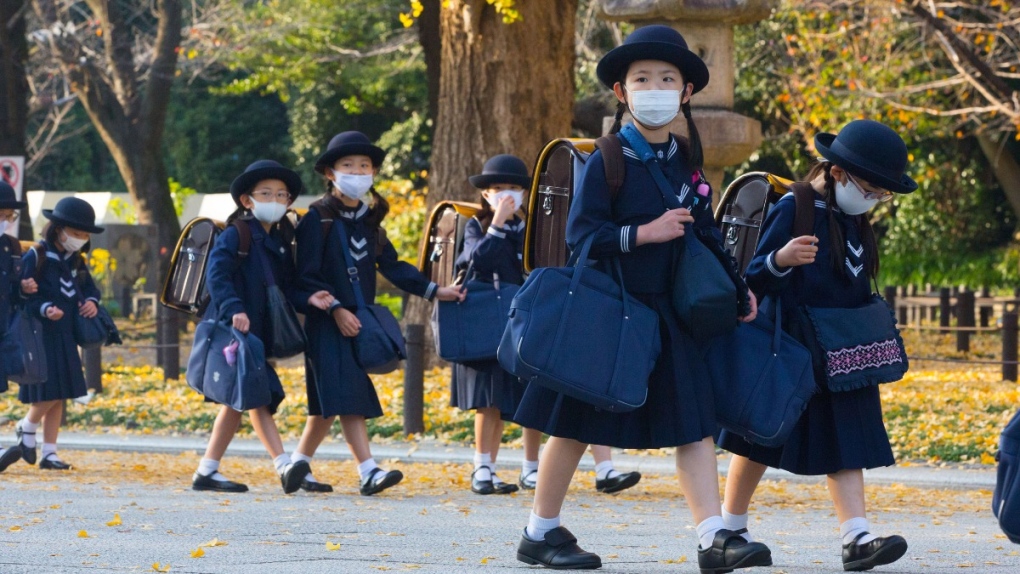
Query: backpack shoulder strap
[(244, 238), (612, 158), (40, 258), (15, 245), (804, 219), (325, 217)]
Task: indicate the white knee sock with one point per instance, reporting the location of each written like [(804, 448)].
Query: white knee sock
[(49, 448), (529, 465), (28, 427), (282, 462), (483, 466), (604, 470), (298, 457), (365, 469), (538, 526), (737, 522), (708, 528), (854, 527), (209, 467)]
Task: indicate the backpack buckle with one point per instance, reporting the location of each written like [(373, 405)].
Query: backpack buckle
[(353, 272)]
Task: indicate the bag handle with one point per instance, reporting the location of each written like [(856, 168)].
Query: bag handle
[(352, 269), (777, 336), (580, 262), (471, 267)]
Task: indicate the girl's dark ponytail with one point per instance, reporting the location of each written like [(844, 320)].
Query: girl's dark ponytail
[(617, 124), (697, 156)]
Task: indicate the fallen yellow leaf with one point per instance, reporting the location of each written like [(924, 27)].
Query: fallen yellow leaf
[(157, 567), (116, 520), (83, 534), (214, 542), (14, 528), (332, 545), (198, 552)]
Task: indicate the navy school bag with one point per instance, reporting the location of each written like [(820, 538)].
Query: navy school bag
[(1006, 497), (470, 330), (242, 386), (576, 331)]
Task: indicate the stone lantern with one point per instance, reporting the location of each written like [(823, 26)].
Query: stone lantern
[(728, 138)]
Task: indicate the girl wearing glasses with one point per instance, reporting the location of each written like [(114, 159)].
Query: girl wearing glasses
[(840, 433)]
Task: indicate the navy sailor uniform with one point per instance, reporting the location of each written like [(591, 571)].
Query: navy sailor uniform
[(336, 383), (238, 285), (10, 293), (680, 408), (484, 384), (63, 282), (841, 430)]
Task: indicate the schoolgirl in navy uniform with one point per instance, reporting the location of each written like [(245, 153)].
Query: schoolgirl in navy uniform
[(494, 244), (64, 287), (337, 385), (12, 289), (840, 433), (237, 287), (653, 66)]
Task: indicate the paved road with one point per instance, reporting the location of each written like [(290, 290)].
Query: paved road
[(432, 524)]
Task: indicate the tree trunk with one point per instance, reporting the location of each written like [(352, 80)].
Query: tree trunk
[(1005, 166), (14, 91), (503, 88), (431, 43)]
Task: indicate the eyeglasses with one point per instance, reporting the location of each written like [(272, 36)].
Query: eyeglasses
[(12, 217), (265, 195), (880, 194)]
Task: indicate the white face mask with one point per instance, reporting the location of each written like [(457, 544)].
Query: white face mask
[(850, 199), (654, 108), (518, 196), (72, 244), (3, 226), (353, 186), (269, 211)]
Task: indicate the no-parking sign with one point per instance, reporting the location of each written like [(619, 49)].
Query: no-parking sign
[(12, 170)]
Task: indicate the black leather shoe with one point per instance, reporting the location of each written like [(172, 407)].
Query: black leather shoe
[(9, 457), (28, 454), (201, 482), (730, 551), (51, 462), (481, 486), (619, 482), (503, 487), (559, 551), (292, 478), (528, 481), (315, 486), (375, 486), (860, 557)]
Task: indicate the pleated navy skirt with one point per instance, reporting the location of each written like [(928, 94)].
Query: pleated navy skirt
[(838, 431), (335, 382), (680, 408), (64, 376), (484, 385)]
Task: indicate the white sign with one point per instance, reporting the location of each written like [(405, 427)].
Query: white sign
[(12, 170)]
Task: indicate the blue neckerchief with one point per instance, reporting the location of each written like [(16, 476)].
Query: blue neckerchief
[(639, 144)]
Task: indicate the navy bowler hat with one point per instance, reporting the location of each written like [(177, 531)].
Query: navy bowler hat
[(349, 143), (656, 42), (75, 213), (871, 151), (265, 169), (9, 199), (503, 168)]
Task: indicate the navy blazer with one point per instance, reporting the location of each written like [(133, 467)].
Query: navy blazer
[(238, 284), (10, 280), (64, 282), (320, 260), (647, 268), (498, 250)]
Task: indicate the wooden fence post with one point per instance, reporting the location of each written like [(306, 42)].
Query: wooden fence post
[(1009, 350), (964, 318), (944, 309), (414, 380), (986, 310), (92, 361)]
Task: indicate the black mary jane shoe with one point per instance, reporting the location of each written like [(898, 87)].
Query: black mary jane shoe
[(28, 454), (292, 478), (730, 551), (503, 487), (51, 462), (559, 551), (526, 481), (319, 487), (482, 486), (202, 482), (373, 486), (861, 557), (9, 457), (619, 482)]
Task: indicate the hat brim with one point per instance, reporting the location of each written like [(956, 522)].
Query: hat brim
[(613, 66), (244, 183), (904, 184), (487, 180), (13, 204), (48, 214), (327, 159)]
